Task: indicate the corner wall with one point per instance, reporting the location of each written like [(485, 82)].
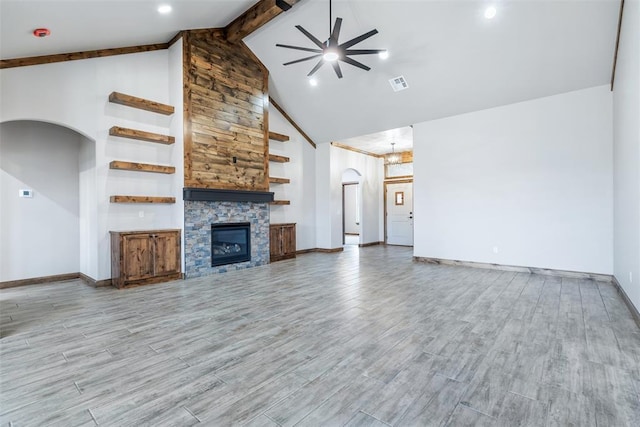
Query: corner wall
[(75, 94), (626, 155), (331, 162), (531, 180), (301, 170), (39, 236)]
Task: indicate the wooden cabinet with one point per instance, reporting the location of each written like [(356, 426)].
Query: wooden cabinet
[(143, 257), (282, 241)]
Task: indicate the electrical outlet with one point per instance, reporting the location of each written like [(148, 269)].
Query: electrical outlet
[(495, 250), (141, 214)]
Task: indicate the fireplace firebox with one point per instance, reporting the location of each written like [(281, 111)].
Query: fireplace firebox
[(230, 243)]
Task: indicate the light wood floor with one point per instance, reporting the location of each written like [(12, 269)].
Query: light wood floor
[(364, 337)]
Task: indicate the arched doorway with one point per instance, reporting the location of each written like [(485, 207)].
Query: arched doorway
[(48, 219)]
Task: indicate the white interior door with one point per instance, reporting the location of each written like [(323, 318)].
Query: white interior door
[(400, 214)]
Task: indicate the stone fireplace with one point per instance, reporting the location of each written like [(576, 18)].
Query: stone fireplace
[(226, 209)]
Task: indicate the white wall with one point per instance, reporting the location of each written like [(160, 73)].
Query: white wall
[(39, 235), (324, 209), (331, 164), (88, 233), (301, 190), (626, 149), (176, 129), (532, 179), (75, 94)]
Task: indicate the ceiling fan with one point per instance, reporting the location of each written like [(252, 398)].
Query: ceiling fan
[(331, 50)]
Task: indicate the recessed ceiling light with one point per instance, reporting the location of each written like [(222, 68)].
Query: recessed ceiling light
[(490, 12), (313, 82), (384, 54), (164, 9)]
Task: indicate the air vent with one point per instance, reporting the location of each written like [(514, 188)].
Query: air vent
[(398, 83)]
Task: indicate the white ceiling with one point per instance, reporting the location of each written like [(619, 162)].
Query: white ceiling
[(455, 61), (380, 142), (79, 25)]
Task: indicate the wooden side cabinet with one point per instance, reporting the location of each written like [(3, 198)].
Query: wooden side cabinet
[(143, 257), (282, 241)]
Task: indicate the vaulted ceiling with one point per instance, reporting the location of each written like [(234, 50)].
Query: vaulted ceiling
[(453, 58)]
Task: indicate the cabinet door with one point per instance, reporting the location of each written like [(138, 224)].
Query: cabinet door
[(289, 240), (167, 253), (275, 241), (137, 258)]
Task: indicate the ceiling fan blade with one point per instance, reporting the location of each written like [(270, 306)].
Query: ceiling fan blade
[(316, 68), (306, 49), (347, 45), (336, 32), (336, 68), (363, 51), (302, 59), (311, 37), (355, 63)]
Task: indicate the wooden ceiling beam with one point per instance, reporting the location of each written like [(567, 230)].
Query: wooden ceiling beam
[(255, 17), (357, 150)]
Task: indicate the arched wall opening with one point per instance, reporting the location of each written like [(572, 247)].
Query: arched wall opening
[(53, 232)]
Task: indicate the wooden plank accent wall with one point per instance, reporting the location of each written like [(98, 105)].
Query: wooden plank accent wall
[(226, 137)]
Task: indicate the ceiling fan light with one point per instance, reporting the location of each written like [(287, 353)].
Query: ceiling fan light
[(384, 54), (330, 56), (313, 81)]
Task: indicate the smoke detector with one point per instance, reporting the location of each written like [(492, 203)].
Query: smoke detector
[(398, 83), (41, 32)]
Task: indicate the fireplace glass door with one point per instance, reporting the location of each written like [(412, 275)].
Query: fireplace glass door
[(230, 243)]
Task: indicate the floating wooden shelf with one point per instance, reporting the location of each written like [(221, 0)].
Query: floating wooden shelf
[(141, 103), (278, 137), (141, 167), (281, 202), (274, 180), (278, 159), (141, 199), (141, 135)]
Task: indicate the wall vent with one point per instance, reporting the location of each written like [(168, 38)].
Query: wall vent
[(398, 83)]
